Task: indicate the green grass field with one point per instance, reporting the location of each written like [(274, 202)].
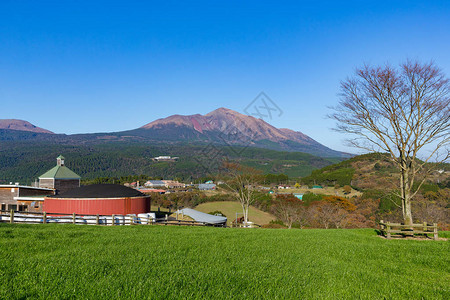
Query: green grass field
[(55, 261)]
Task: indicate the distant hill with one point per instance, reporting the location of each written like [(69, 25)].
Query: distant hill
[(13, 124), (367, 172), (200, 141), (24, 161), (220, 127)]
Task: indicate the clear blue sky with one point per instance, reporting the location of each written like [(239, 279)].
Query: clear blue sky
[(98, 66)]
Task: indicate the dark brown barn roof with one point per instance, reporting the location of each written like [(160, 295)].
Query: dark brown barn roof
[(101, 191)]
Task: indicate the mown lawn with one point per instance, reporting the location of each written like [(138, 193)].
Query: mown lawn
[(55, 261)]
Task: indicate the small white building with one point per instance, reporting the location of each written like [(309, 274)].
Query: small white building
[(165, 158)]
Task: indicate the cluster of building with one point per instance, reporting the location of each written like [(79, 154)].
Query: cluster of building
[(59, 191), (164, 185), (169, 184), (55, 181)]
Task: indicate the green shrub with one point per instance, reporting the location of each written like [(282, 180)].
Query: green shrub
[(217, 213), (275, 224), (389, 203), (428, 187), (372, 194), (342, 176), (309, 198)]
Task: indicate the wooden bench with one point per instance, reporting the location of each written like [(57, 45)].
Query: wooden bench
[(388, 229)]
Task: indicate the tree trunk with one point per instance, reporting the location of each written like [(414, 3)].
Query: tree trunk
[(245, 211), (405, 194), (408, 216)]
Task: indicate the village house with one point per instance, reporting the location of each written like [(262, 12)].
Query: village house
[(284, 187), (22, 198), (171, 184), (60, 178), (155, 184)]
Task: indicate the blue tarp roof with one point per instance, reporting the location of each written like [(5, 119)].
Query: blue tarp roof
[(202, 217), (206, 186)]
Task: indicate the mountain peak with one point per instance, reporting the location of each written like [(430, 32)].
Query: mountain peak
[(242, 130), (222, 110), (14, 124)]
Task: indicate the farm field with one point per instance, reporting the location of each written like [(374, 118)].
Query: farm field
[(55, 261), (230, 208), (323, 191)]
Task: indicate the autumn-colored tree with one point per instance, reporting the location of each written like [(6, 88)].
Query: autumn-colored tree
[(365, 212), (347, 189), (432, 207), (342, 202), (355, 220), (323, 214), (302, 218), (331, 211), (288, 209)]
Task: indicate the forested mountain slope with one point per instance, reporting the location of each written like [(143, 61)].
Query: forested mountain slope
[(25, 161)]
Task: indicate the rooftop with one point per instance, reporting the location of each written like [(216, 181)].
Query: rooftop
[(60, 172), (156, 182), (23, 187), (101, 191)]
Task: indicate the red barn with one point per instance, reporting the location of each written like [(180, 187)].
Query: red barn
[(101, 199)]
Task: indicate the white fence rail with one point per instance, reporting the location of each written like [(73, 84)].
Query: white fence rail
[(45, 218), (110, 220)]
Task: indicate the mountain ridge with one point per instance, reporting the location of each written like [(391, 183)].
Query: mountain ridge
[(21, 125), (221, 126)]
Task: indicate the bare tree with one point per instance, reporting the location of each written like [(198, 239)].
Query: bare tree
[(302, 216), (403, 112), (324, 213), (241, 181), (340, 218), (288, 209)]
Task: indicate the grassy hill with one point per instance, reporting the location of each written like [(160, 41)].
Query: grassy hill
[(56, 261), (376, 180), (230, 208), (364, 172)]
